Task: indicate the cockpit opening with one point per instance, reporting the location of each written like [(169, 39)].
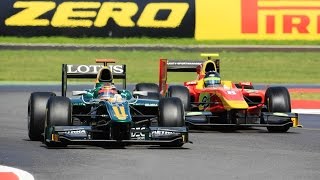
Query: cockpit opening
[(210, 67), (105, 75)]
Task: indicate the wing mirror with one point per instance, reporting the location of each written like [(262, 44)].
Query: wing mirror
[(79, 93)]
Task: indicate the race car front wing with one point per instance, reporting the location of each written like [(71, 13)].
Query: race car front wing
[(267, 119), (83, 135)]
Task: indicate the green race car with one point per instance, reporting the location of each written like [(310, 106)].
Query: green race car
[(104, 115)]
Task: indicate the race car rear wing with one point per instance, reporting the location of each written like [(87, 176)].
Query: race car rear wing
[(77, 71), (166, 66)]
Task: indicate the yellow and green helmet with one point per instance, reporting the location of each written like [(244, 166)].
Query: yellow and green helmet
[(212, 78)]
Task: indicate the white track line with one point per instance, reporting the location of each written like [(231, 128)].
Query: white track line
[(23, 175), (306, 111)]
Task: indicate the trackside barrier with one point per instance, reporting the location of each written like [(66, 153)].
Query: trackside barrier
[(199, 19), (102, 18)]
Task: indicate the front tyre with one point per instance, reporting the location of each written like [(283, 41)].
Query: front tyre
[(36, 114), (151, 88), (277, 99), (59, 113), (171, 114)]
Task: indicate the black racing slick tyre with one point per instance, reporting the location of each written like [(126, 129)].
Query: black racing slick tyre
[(171, 113), (182, 93), (59, 113), (277, 99), (36, 114), (151, 95), (149, 87)]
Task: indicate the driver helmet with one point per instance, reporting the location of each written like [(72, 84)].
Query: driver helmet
[(212, 78), (107, 91)]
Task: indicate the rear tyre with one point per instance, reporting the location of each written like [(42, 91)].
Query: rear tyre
[(58, 114), (151, 88), (36, 114), (171, 114), (151, 95), (277, 99), (182, 93)]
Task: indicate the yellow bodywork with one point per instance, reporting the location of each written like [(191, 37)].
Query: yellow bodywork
[(200, 84), (119, 112), (227, 84), (228, 104), (204, 65), (55, 137), (295, 122), (234, 104)]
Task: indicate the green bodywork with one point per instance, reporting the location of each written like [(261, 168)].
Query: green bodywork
[(117, 111)]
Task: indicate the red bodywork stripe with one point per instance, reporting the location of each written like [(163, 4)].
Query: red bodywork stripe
[(305, 104), (163, 76), (304, 90)]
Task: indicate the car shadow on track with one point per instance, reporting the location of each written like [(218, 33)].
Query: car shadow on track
[(104, 146)]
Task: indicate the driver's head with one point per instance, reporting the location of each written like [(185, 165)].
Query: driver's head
[(211, 79), (107, 91)]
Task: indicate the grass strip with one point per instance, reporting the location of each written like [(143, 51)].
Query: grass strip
[(142, 66), (305, 96)]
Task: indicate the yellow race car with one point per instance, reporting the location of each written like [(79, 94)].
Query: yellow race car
[(210, 101)]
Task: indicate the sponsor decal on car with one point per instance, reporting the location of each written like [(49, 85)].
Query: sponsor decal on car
[(119, 112), (162, 132), (92, 69), (76, 132), (137, 133), (204, 99), (183, 63), (151, 105)]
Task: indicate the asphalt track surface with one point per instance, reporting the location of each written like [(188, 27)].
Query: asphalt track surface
[(243, 154)]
